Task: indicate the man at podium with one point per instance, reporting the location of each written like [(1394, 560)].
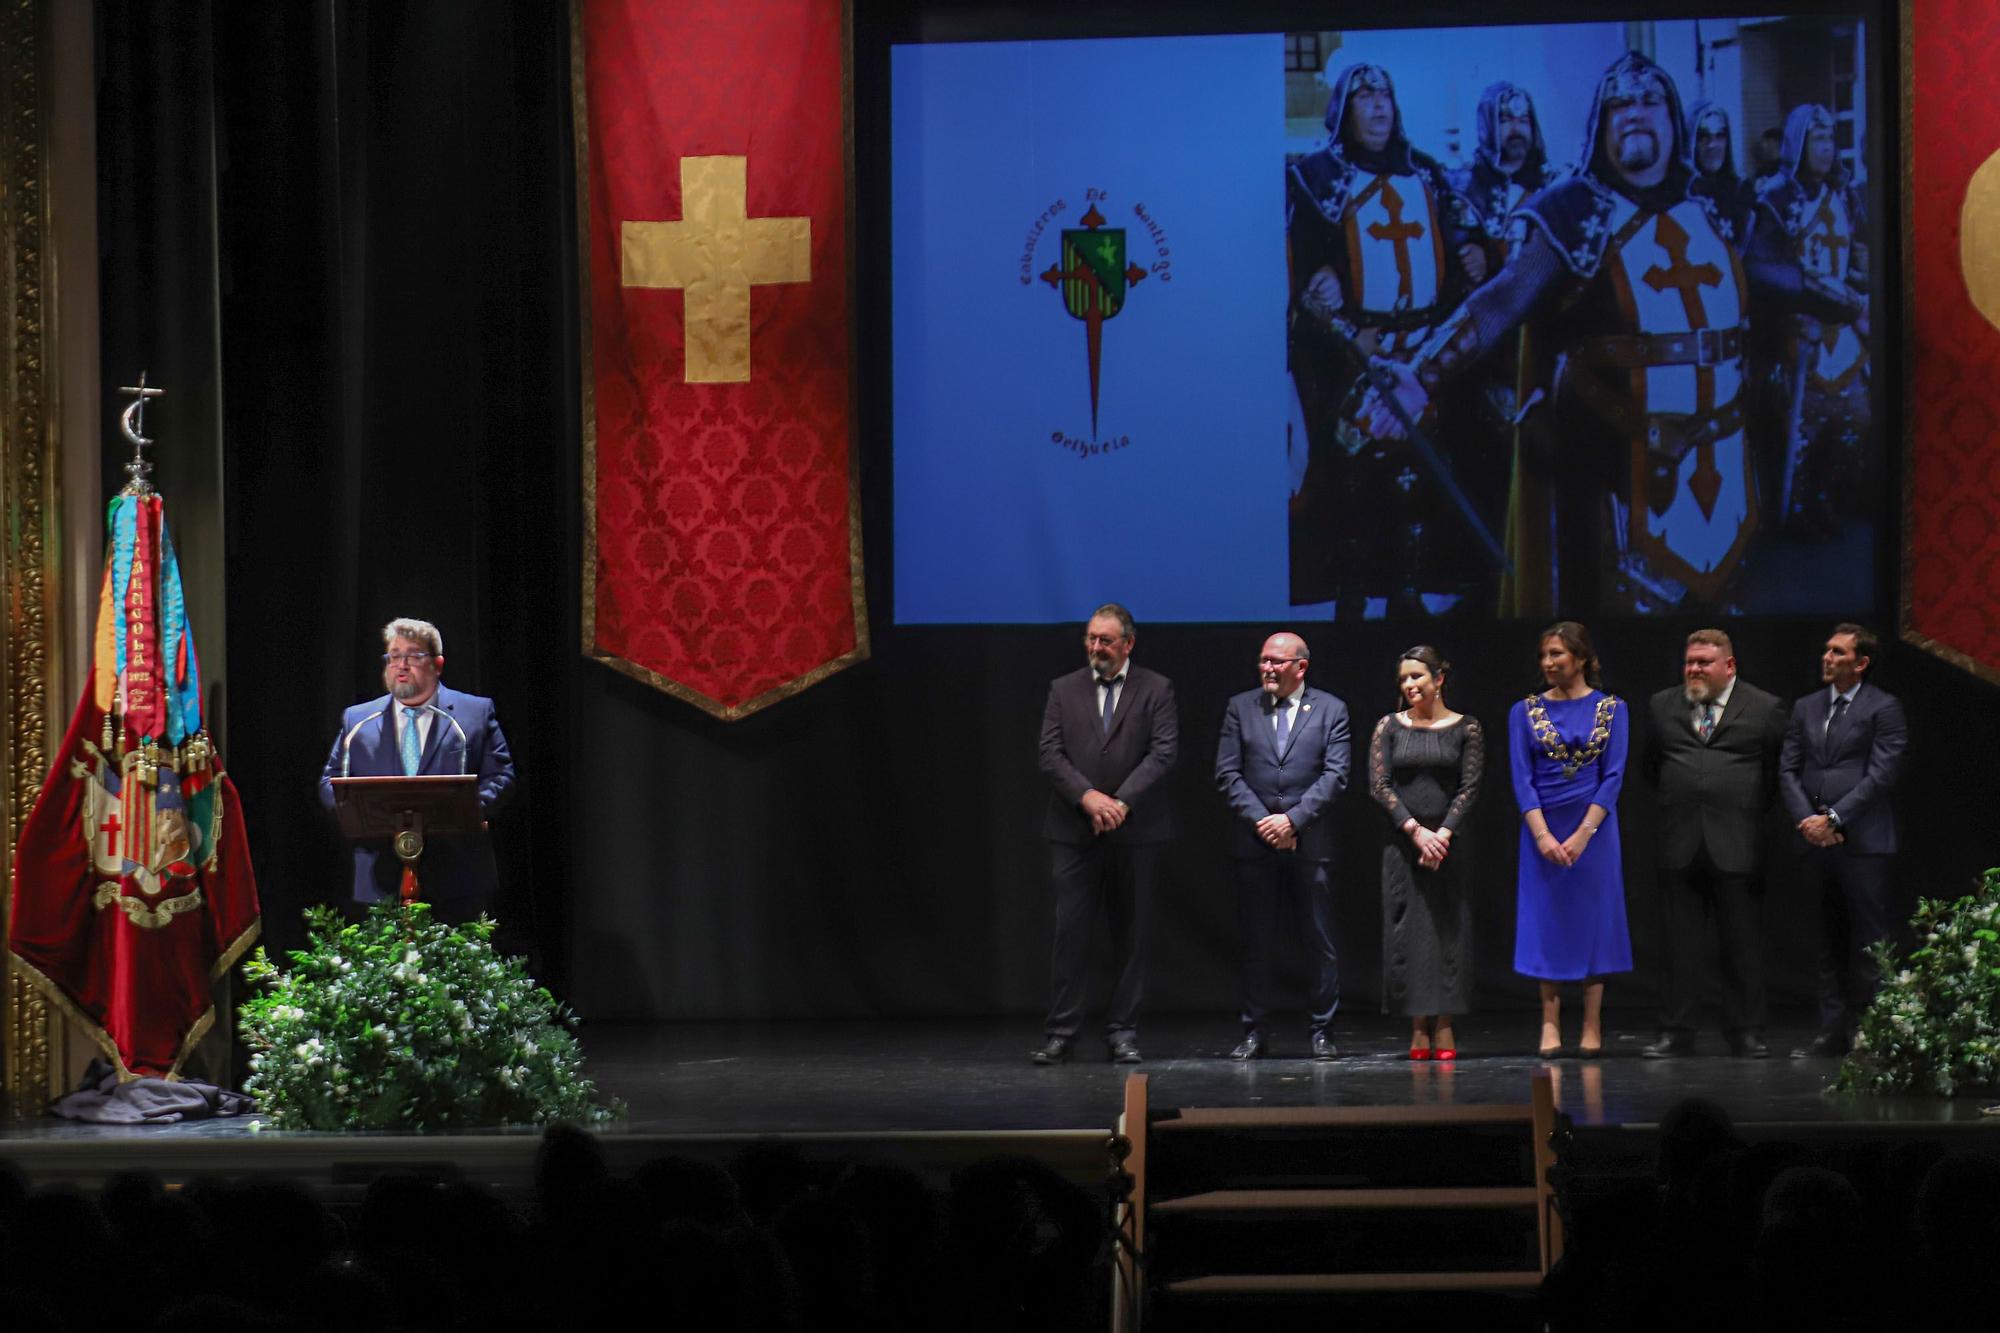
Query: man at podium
[(420, 727)]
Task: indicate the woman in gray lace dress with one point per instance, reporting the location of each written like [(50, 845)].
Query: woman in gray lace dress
[(1424, 767)]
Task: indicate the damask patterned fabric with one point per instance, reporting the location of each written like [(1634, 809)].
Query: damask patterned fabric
[(723, 562), (1952, 595)]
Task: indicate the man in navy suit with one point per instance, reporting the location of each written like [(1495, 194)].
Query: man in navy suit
[(1282, 761), (421, 727), (1842, 755), (1110, 732)]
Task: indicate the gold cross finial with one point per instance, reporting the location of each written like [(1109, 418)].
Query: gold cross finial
[(716, 254)]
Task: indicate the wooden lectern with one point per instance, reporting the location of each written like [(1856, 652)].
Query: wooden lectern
[(406, 811)]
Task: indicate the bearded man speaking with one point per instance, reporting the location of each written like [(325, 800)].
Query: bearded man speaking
[(422, 727)]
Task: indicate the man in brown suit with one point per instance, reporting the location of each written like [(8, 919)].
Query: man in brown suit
[(1110, 733)]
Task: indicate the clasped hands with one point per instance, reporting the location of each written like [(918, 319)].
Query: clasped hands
[(1106, 812), (1820, 831), (1278, 833), (1433, 845), (1567, 851)]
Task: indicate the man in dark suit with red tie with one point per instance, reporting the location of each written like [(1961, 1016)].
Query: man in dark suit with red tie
[(1712, 756), (1282, 761), (1110, 734), (1842, 756)]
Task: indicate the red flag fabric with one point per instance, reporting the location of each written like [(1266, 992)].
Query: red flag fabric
[(723, 559), (1951, 596), (133, 889)]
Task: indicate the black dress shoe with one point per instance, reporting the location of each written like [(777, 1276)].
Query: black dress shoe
[(1750, 1046), (1053, 1052), (1828, 1045), (1126, 1052), (1323, 1047), (1670, 1046), (1250, 1048)]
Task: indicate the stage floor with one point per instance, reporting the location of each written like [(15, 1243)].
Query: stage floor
[(845, 1079)]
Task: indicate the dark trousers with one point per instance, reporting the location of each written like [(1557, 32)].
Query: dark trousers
[(1279, 897), (1108, 884), (1853, 914), (1690, 896)]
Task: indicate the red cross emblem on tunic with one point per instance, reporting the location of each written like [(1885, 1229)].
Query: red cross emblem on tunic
[(1398, 233), (1828, 237), (1688, 280), (1685, 278)]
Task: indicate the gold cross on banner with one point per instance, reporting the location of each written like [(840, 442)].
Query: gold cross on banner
[(716, 254)]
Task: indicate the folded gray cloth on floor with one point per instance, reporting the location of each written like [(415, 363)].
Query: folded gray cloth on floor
[(101, 1099)]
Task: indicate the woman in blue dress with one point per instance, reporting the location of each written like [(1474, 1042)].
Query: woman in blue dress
[(1567, 747)]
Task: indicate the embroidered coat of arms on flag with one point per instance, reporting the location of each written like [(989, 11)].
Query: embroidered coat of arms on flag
[(133, 889)]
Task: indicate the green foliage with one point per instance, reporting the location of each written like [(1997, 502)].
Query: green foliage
[(1935, 1025), (400, 1023)]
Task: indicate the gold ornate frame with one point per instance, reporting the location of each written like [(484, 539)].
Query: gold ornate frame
[(30, 499)]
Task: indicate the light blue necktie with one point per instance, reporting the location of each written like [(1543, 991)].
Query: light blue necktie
[(1110, 703), (412, 744), (1707, 727), (1284, 723)]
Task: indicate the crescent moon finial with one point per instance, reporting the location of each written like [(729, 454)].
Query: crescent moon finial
[(132, 423)]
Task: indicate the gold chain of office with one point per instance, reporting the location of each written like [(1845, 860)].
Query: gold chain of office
[(1557, 749)]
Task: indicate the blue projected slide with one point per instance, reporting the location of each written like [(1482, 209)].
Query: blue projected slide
[(1017, 499), (1141, 288)]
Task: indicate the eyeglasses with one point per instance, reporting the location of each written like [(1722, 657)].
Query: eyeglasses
[(406, 659), (1278, 661), (1102, 640)]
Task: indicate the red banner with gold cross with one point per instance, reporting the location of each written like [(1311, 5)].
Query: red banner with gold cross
[(1951, 198), (722, 558)]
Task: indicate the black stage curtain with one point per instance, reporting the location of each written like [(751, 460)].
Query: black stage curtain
[(380, 187), (391, 192)]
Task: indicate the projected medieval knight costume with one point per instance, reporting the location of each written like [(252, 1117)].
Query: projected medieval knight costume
[(1713, 156), (1638, 300), (1511, 164), (1376, 235), (1509, 168), (1824, 358)]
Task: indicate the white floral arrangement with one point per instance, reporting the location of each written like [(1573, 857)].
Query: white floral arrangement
[(396, 1022), (1935, 1024)]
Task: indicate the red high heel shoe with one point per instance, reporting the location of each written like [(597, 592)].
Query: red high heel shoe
[(1445, 1053), (1420, 1053)]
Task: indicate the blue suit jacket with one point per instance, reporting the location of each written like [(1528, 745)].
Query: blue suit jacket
[(1302, 782), (1851, 771), (457, 870)]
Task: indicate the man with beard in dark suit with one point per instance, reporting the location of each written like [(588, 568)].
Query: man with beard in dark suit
[(1842, 756), (1110, 733), (1713, 758)]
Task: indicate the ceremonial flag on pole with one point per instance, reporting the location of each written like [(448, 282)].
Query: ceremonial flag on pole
[(722, 557), (132, 882)]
